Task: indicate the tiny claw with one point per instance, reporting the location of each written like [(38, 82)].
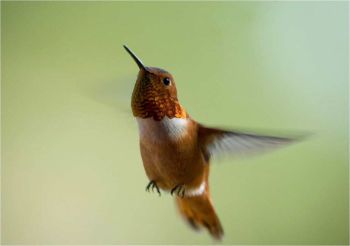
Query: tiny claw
[(174, 189), (158, 191), (179, 189), (148, 186), (183, 193), (151, 185)]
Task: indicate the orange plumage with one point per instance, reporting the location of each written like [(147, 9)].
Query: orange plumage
[(151, 99), (176, 150)]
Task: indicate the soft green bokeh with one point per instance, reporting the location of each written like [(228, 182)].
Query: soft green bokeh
[(71, 169)]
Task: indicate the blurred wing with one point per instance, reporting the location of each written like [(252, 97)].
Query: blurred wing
[(216, 142)]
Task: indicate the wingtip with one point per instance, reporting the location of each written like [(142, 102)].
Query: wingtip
[(303, 136)]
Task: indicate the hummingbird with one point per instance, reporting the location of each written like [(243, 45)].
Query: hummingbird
[(177, 151)]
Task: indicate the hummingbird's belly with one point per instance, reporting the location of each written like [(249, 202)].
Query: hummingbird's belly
[(170, 154), (169, 166)]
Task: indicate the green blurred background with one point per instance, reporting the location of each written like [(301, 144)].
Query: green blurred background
[(71, 169)]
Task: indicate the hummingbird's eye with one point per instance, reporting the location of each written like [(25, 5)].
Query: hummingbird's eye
[(166, 81)]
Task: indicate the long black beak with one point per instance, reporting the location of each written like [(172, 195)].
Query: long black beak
[(136, 59)]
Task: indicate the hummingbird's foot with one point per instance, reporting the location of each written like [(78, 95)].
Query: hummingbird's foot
[(151, 185), (178, 190)]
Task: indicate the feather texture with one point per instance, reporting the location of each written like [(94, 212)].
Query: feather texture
[(217, 143)]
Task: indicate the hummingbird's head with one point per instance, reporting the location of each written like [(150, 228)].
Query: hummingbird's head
[(154, 93)]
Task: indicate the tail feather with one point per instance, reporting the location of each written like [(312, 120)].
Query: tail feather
[(199, 211)]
